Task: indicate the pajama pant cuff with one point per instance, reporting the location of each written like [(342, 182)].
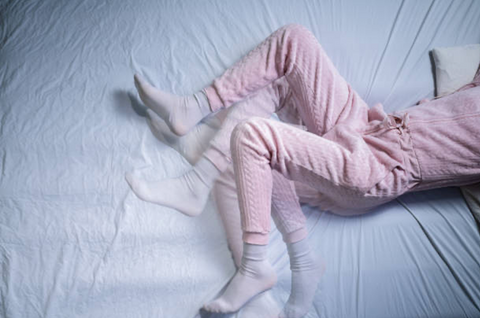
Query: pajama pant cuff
[(213, 98), (255, 238), (220, 160), (295, 236)]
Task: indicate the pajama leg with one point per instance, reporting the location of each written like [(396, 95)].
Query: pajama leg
[(264, 103), (307, 194), (226, 199), (293, 52), (275, 98), (259, 148), (286, 211), (259, 145), (323, 99)]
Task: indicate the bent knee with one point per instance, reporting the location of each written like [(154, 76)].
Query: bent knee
[(297, 30), (249, 132), (248, 128)]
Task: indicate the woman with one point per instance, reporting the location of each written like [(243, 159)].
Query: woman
[(355, 157)]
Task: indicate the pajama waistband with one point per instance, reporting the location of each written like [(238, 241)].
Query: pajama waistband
[(397, 121), (400, 122), (405, 156)]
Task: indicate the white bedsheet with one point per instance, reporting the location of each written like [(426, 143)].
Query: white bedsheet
[(76, 242)]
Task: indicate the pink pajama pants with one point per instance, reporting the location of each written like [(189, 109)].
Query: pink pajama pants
[(285, 207), (355, 157)]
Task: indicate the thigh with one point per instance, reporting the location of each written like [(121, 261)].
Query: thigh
[(323, 97), (276, 98), (264, 103), (342, 169)]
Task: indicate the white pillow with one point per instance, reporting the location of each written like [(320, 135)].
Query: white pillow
[(455, 66)]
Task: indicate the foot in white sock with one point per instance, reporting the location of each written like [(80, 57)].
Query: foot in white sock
[(262, 306), (254, 276), (306, 273), (192, 145), (181, 113), (187, 194)]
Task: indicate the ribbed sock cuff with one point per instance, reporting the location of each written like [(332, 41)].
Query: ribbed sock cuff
[(254, 252), (296, 235), (220, 160), (255, 238), (203, 102), (207, 171)]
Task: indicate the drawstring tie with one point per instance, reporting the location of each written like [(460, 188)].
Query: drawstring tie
[(398, 122)]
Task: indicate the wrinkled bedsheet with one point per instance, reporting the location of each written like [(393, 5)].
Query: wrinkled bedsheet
[(76, 242)]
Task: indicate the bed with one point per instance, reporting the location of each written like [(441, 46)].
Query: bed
[(76, 242)]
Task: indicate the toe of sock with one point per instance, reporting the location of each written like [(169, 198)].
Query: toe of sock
[(137, 78), (129, 178), (217, 306), (132, 181), (151, 114), (136, 186), (288, 312)]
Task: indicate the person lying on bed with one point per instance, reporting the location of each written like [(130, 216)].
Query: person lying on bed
[(354, 157)]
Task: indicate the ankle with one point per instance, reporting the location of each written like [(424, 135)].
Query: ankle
[(203, 102), (206, 171), (218, 158), (302, 257)]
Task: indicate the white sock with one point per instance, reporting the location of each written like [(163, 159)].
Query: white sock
[(181, 113), (187, 194), (306, 273), (254, 276), (192, 145), (262, 306)]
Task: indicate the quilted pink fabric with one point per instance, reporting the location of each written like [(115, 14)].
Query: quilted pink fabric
[(355, 157)]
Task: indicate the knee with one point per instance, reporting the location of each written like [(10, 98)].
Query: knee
[(296, 30), (247, 129), (248, 132)]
